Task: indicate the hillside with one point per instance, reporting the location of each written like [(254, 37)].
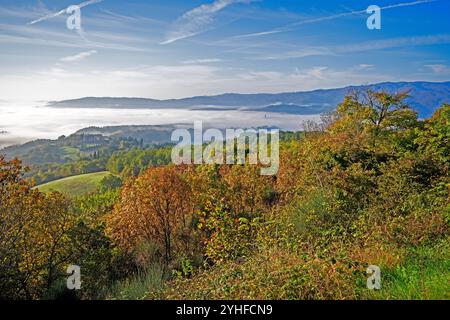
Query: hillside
[(368, 193), (76, 185), (425, 98), (76, 154)]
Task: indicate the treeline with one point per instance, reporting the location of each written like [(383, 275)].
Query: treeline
[(54, 171), (126, 163), (371, 187), (76, 154), (136, 161), (83, 154)]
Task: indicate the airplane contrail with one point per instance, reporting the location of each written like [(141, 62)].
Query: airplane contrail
[(53, 15), (332, 17)]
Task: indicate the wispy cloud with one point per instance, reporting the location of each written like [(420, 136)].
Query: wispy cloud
[(202, 61), (158, 81), (55, 14), (365, 66), (79, 56), (22, 13), (361, 47), (326, 18), (298, 53), (197, 20), (394, 43), (309, 78), (439, 68), (49, 37)]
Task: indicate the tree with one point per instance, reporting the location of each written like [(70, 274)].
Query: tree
[(246, 192), (110, 183), (154, 207), (434, 139), (34, 243), (376, 110)]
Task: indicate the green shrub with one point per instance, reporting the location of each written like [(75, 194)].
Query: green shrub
[(139, 286)]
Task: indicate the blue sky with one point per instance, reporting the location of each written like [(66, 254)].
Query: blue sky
[(171, 48)]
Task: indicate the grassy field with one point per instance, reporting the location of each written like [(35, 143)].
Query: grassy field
[(76, 185), (424, 275)]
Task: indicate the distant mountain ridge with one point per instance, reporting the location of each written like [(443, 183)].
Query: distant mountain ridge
[(425, 98)]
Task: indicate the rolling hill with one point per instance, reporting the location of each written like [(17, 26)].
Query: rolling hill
[(76, 185)]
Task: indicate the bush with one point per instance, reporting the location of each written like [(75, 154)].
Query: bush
[(139, 286)]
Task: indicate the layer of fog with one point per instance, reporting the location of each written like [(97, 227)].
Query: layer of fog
[(22, 122)]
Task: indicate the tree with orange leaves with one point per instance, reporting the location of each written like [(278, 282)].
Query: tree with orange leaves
[(153, 208), (34, 241)]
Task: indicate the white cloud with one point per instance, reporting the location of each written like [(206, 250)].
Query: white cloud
[(260, 75), (202, 61), (439, 68), (79, 56), (361, 47), (44, 36), (365, 66), (299, 53), (394, 43), (177, 81), (56, 14), (197, 20), (22, 12), (326, 18)]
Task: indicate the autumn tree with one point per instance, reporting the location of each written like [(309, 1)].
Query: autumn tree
[(334, 175), (247, 192), (34, 242), (153, 208), (434, 139)]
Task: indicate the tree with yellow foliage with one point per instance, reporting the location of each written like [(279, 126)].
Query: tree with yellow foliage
[(34, 241), (155, 208)]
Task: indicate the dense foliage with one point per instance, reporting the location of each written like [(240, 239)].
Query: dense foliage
[(370, 186), (76, 154)]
